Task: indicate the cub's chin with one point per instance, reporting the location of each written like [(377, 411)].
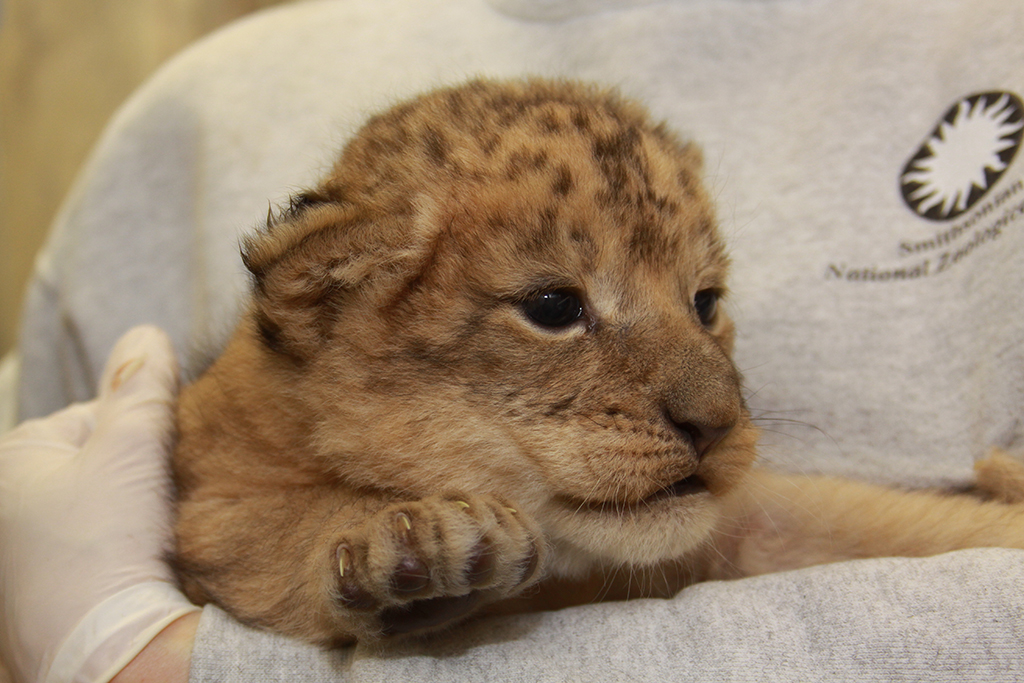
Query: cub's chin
[(667, 525)]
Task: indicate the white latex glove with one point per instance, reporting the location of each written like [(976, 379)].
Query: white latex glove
[(85, 512)]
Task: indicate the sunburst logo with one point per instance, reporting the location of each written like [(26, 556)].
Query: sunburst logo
[(969, 150)]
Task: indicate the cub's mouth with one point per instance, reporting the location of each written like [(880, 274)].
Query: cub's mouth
[(687, 487)]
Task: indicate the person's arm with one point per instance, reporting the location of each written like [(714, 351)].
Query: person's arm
[(167, 657), (85, 522)]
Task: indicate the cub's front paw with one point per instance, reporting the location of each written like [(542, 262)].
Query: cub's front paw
[(417, 565)]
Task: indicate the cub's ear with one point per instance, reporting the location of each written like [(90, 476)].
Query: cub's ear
[(297, 287), (310, 262)]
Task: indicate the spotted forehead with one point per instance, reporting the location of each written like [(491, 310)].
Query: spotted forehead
[(560, 145)]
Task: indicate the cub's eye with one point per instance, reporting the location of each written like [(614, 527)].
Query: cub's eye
[(559, 308), (705, 302)]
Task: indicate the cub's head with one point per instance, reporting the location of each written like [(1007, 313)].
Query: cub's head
[(513, 288)]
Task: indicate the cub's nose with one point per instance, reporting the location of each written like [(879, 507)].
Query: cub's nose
[(704, 437), (700, 395)]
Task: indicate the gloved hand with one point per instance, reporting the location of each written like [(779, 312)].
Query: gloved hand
[(85, 513)]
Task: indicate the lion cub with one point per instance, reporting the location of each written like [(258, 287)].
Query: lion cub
[(485, 364)]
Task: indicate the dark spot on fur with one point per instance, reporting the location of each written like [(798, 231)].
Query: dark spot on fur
[(648, 243), (510, 109), (560, 406), (549, 123), (272, 336), (270, 332), (705, 225), (522, 161), (585, 245), (643, 241), (581, 120), (616, 155), (490, 144), (549, 225), (477, 324), (543, 240), (384, 144), (515, 167), (563, 181), (665, 205), (456, 104), (688, 181), (437, 146)]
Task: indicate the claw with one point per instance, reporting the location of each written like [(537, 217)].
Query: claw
[(405, 521), (344, 559), (350, 594)]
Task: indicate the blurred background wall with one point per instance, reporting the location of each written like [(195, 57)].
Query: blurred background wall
[(65, 66)]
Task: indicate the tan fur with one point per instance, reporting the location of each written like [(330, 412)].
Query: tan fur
[(390, 442)]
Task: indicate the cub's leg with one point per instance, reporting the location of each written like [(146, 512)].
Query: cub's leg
[(332, 571), (779, 522)]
